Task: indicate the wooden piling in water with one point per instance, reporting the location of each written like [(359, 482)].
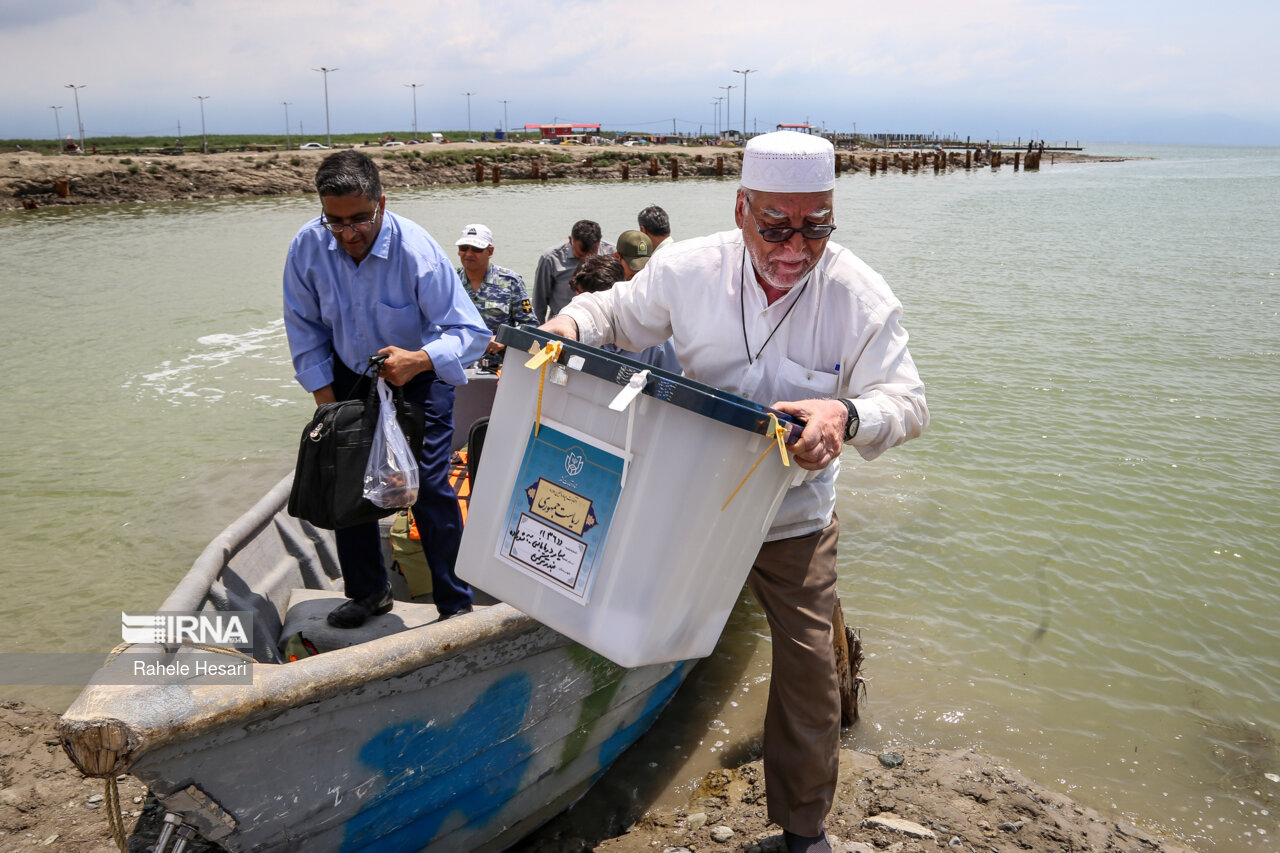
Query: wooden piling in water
[(62, 187), (968, 158), (653, 167), (839, 163), (884, 163), (873, 165), (479, 169), (496, 174), (675, 167), (536, 171), (626, 171), (1017, 160), (590, 162), (720, 166)]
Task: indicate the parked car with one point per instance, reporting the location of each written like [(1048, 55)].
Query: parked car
[(311, 146), (392, 144), (633, 142)]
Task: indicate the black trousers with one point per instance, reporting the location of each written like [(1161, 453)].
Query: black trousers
[(436, 511)]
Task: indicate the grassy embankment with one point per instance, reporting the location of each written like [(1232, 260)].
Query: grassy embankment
[(192, 144)]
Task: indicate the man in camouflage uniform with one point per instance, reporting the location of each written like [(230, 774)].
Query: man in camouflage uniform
[(498, 293)]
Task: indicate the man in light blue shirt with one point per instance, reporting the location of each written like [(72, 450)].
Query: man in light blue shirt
[(359, 282)]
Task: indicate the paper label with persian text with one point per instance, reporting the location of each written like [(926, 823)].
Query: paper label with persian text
[(558, 518)]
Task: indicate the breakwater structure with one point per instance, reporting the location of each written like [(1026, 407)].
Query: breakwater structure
[(31, 180)]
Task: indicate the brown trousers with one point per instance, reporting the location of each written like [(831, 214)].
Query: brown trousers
[(795, 582)]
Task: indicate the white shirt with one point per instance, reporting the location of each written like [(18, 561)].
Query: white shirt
[(837, 334)]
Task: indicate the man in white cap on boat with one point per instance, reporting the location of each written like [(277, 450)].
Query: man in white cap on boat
[(777, 313)]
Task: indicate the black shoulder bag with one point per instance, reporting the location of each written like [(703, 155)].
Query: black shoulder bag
[(328, 483)]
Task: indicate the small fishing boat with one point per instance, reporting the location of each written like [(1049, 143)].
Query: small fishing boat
[(459, 735)]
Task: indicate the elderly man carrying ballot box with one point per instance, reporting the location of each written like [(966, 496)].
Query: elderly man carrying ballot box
[(775, 312)]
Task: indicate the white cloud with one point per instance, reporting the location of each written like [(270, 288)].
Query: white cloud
[(620, 63)]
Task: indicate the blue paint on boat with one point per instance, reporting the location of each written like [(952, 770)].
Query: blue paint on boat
[(472, 767), (618, 742)]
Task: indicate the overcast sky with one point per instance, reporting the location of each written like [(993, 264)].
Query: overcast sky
[(1124, 70)]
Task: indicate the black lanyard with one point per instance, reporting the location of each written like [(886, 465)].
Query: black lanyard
[(742, 308)]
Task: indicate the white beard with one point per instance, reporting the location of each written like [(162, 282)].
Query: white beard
[(761, 275)]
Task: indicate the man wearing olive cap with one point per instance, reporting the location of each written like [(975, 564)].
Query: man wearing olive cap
[(634, 249), (776, 312)]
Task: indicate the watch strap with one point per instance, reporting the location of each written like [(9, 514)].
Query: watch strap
[(851, 421)]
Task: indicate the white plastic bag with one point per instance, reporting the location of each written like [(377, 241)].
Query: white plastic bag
[(391, 475)]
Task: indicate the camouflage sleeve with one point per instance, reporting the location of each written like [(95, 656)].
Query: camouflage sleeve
[(521, 307)]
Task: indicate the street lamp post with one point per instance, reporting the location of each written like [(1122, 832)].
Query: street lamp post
[(204, 140), (728, 104), (57, 123), (75, 90), (468, 94), (744, 74), (287, 146), (328, 137), (414, 87), (505, 130), (717, 101)]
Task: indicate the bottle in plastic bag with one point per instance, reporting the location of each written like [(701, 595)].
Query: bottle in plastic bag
[(391, 475)]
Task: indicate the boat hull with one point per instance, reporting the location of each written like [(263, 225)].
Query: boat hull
[(456, 735)]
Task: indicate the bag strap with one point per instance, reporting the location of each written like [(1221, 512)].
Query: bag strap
[(397, 391)]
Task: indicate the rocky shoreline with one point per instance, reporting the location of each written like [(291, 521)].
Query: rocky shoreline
[(29, 180), (910, 801)]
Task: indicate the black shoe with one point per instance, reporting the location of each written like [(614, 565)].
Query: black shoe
[(466, 608), (353, 612), (806, 843)]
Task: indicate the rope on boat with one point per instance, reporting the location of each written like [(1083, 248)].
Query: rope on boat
[(114, 817), (226, 650), (222, 650)]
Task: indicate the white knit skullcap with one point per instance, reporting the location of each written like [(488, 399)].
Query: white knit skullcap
[(789, 162)]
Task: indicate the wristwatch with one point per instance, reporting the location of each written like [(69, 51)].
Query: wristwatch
[(851, 423)]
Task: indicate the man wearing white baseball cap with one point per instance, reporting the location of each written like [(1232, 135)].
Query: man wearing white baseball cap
[(777, 313), (497, 292)]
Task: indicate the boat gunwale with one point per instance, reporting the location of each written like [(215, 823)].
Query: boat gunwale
[(143, 718)]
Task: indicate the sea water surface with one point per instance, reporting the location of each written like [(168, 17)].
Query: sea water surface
[(1075, 568)]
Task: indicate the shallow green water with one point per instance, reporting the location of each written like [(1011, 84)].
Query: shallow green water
[(1075, 569)]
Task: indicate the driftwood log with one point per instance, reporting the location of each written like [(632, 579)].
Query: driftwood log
[(848, 647)]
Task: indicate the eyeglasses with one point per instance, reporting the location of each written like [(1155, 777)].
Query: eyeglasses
[(362, 227), (468, 248), (782, 234)]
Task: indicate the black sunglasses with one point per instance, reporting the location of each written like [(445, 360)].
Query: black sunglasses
[(782, 234)]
